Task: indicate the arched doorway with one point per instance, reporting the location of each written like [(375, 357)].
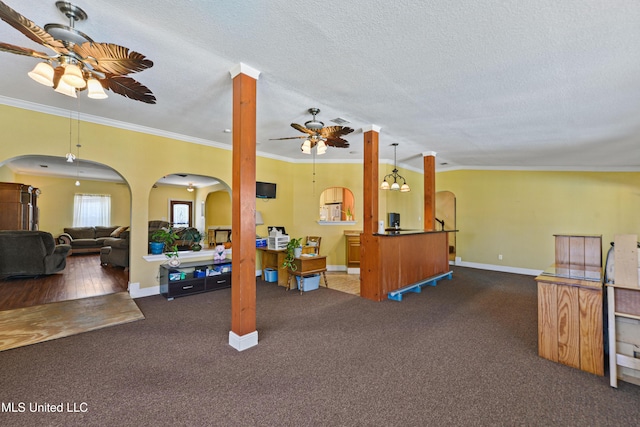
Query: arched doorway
[(59, 181)]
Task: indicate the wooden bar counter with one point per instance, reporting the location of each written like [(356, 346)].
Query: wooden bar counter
[(396, 259)]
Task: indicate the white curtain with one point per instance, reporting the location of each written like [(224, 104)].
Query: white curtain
[(92, 210)]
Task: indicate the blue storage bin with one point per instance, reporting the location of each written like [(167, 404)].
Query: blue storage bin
[(270, 275), (311, 283)]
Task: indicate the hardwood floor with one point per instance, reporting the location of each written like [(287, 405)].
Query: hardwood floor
[(83, 277)]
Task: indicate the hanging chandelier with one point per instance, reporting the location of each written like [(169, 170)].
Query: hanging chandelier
[(394, 174)]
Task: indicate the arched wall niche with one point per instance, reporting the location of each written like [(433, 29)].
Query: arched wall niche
[(337, 204)]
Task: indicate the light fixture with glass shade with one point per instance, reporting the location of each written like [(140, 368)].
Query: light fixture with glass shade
[(78, 62), (314, 142), (395, 186), (190, 187)]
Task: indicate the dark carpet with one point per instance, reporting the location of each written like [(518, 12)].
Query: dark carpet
[(463, 353)]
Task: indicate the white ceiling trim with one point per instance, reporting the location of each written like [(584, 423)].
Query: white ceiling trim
[(60, 112)]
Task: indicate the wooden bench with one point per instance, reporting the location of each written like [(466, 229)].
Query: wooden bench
[(417, 287)]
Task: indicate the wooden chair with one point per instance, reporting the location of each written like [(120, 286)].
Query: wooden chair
[(312, 245)]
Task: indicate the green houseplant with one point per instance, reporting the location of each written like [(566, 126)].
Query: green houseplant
[(193, 236), (168, 237), (290, 255)]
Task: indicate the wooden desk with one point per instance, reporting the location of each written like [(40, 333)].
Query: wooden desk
[(272, 258), (306, 266)]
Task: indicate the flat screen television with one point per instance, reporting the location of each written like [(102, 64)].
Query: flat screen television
[(265, 190)]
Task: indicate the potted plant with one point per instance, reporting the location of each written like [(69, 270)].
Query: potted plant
[(349, 214), (193, 236), (293, 250), (168, 237)]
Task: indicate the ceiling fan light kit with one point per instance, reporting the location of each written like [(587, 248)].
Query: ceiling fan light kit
[(319, 136), (395, 186), (79, 62)]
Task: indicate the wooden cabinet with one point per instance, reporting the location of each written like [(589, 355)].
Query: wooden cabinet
[(570, 305), (194, 277), (332, 195), (18, 206), (352, 249)]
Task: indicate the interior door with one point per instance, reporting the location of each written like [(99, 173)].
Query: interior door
[(181, 212)]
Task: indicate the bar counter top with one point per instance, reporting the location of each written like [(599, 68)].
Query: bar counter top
[(406, 232)]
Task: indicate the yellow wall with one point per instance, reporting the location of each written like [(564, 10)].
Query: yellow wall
[(6, 174), (140, 158), (516, 213), (218, 209), (498, 212), (56, 200)]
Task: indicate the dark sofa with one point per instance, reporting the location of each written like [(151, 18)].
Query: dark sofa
[(30, 253), (88, 239), (115, 251)]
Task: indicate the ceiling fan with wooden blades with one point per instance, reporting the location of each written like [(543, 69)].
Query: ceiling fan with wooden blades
[(319, 135), (78, 62)]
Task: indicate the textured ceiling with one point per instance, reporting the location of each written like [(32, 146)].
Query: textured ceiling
[(484, 83)]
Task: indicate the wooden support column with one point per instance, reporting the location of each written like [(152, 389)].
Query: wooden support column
[(371, 179), (429, 159), (243, 332), (370, 244)]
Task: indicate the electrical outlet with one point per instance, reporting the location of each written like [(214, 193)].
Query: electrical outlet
[(500, 257)]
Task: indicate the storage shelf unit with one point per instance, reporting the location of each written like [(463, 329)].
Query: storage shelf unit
[(278, 242), (623, 303), (194, 277)]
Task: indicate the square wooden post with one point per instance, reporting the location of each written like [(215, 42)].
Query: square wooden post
[(429, 160), (243, 332), (370, 244)]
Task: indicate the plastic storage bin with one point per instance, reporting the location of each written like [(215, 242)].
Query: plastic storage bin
[(311, 283), (270, 275)]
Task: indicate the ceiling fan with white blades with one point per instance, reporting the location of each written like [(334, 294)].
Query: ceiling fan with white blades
[(78, 62), (319, 135)]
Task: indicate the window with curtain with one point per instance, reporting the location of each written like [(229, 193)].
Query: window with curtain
[(91, 210)]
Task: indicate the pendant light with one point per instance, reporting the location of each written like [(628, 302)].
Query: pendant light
[(395, 186)]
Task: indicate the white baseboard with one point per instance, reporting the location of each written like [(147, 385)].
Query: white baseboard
[(493, 267), (136, 292), (244, 342), (336, 268), (353, 270)]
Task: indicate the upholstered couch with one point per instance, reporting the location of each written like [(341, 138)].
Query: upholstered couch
[(30, 253), (115, 251), (88, 239)]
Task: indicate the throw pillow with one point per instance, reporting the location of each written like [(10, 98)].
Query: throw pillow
[(117, 231)]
